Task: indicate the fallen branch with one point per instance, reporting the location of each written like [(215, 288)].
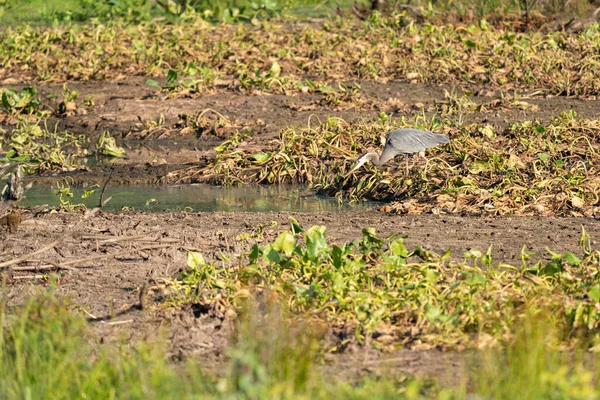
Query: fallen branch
[(101, 203), (27, 256), (29, 277), (93, 318), (138, 238), (52, 265), (115, 239), (101, 256)]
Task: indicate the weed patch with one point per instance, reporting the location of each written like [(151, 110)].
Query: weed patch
[(194, 57), (42, 149), (526, 168), (377, 288)]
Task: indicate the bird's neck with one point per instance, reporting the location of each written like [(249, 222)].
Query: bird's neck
[(374, 158)]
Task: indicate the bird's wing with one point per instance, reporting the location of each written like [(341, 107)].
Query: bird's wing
[(410, 140)]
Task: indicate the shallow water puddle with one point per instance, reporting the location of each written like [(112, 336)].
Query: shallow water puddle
[(253, 198)]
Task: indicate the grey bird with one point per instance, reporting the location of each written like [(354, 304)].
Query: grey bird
[(403, 141)]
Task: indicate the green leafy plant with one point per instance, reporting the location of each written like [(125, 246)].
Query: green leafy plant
[(68, 104), (378, 288), (42, 149), (106, 145), (184, 86), (23, 102), (268, 359), (66, 197)]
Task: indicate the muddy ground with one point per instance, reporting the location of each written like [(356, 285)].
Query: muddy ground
[(108, 289)]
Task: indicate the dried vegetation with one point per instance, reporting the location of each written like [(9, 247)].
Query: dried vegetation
[(196, 57), (526, 168)]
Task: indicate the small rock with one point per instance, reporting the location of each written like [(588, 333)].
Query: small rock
[(577, 202), (538, 208)]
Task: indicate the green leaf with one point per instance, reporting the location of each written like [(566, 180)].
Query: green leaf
[(571, 259), (338, 256), (432, 313), (475, 279), (338, 283), (370, 237), (473, 253), (226, 16), (551, 268), (221, 148), (488, 131), (153, 83), (369, 232), (261, 157), (295, 226), (220, 283), (87, 193), (172, 76), (487, 257), (255, 253), (594, 293), (300, 290), (478, 167), (469, 43), (316, 244), (9, 99), (398, 249), (271, 254), (195, 259), (286, 243), (14, 156), (327, 89), (431, 276), (275, 69)]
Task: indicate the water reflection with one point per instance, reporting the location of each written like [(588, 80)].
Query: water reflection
[(254, 198)]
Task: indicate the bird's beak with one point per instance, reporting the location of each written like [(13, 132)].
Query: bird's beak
[(358, 164)]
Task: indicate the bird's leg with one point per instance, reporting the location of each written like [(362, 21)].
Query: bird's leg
[(406, 161), (426, 163)]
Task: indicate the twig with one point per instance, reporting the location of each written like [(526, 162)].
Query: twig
[(45, 267), (143, 296), (29, 277), (201, 114), (92, 317), (568, 24), (101, 256), (138, 238), (357, 13), (115, 239), (26, 256), (127, 321), (102, 203)]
